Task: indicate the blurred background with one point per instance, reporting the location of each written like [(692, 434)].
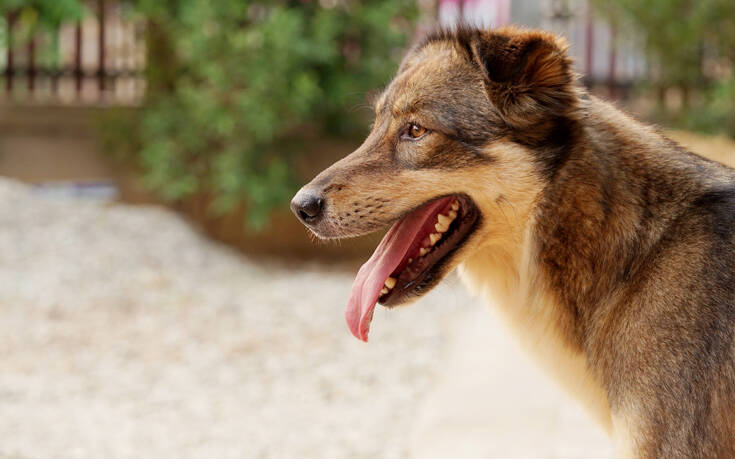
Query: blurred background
[(157, 299)]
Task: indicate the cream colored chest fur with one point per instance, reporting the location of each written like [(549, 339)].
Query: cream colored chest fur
[(507, 278)]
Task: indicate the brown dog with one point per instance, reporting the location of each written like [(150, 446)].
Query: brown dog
[(609, 248)]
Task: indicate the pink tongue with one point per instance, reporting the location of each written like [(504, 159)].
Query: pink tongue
[(386, 258)]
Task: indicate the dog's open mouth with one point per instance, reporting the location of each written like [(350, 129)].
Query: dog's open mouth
[(409, 258)]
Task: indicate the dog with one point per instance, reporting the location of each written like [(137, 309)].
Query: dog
[(606, 246)]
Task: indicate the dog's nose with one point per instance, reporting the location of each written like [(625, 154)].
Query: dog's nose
[(307, 206)]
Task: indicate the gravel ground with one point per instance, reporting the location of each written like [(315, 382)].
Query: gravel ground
[(124, 333)]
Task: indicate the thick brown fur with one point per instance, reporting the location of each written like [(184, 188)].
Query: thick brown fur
[(608, 248)]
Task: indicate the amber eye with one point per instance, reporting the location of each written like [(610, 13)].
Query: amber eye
[(414, 131)]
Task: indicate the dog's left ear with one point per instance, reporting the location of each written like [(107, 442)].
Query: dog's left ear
[(527, 73)]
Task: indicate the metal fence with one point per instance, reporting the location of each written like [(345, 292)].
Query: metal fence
[(609, 60), (98, 60)]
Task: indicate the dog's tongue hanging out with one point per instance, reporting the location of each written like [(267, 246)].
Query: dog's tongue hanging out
[(405, 235)]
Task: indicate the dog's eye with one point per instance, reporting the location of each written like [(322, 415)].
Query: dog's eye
[(413, 131)]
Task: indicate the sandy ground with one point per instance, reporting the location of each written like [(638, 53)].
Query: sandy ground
[(126, 334)]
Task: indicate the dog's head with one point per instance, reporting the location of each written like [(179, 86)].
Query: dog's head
[(464, 138)]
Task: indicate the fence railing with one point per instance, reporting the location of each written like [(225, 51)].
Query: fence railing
[(98, 60), (610, 62)]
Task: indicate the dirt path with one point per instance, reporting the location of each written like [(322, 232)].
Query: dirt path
[(126, 334)]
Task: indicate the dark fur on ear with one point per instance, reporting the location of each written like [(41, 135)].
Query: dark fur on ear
[(527, 73)]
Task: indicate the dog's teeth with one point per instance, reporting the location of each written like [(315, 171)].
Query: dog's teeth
[(384, 290), (434, 237), (444, 221), (455, 205), (452, 214), (423, 251), (390, 282)]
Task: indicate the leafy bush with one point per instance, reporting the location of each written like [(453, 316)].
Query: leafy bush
[(32, 16), (43, 12), (715, 113), (230, 81), (692, 47)]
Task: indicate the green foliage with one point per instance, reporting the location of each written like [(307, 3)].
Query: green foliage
[(43, 12), (714, 114), (229, 82), (33, 16), (691, 45), (678, 33)]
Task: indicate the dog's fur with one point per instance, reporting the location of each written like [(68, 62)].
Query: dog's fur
[(609, 248)]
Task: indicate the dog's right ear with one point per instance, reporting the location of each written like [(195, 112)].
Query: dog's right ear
[(527, 73)]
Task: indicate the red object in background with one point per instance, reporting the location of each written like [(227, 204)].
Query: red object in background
[(450, 12), (483, 13)]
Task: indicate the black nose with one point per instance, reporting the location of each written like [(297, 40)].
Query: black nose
[(307, 206)]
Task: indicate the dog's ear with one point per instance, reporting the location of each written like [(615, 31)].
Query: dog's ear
[(527, 73)]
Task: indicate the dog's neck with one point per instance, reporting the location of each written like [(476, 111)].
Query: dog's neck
[(558, 261), (508, 276), (558, 274)]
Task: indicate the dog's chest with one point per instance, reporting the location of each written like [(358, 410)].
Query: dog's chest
[(536, 319)]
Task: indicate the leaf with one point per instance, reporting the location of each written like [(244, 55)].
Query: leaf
[(232, 79)]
